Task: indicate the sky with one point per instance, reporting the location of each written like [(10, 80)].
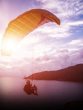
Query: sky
[(49, 47)]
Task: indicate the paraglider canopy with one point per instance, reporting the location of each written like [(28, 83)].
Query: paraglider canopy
[(24, 24)]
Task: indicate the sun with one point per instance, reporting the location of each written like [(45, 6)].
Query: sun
[(9, 47)]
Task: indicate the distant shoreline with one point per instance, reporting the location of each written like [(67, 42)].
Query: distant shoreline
[(70, 74)]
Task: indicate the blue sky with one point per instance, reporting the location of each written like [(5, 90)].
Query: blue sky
[(50, 47)]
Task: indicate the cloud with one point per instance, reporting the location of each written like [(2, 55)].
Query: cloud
[(67, 11), (76, 42), (64, 8), (75, 23), (61, 31)]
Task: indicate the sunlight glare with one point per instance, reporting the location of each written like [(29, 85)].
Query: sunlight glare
[(9, 46)]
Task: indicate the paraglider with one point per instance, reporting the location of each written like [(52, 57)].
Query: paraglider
[(24, 24)]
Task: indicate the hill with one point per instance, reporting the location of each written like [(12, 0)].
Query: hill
[(73, 73)]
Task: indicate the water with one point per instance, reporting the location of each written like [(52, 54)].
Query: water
[(60, 92)]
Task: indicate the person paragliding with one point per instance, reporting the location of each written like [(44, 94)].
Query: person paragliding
[(30, 89)]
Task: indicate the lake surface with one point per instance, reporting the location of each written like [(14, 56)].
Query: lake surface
[(60, 92)]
